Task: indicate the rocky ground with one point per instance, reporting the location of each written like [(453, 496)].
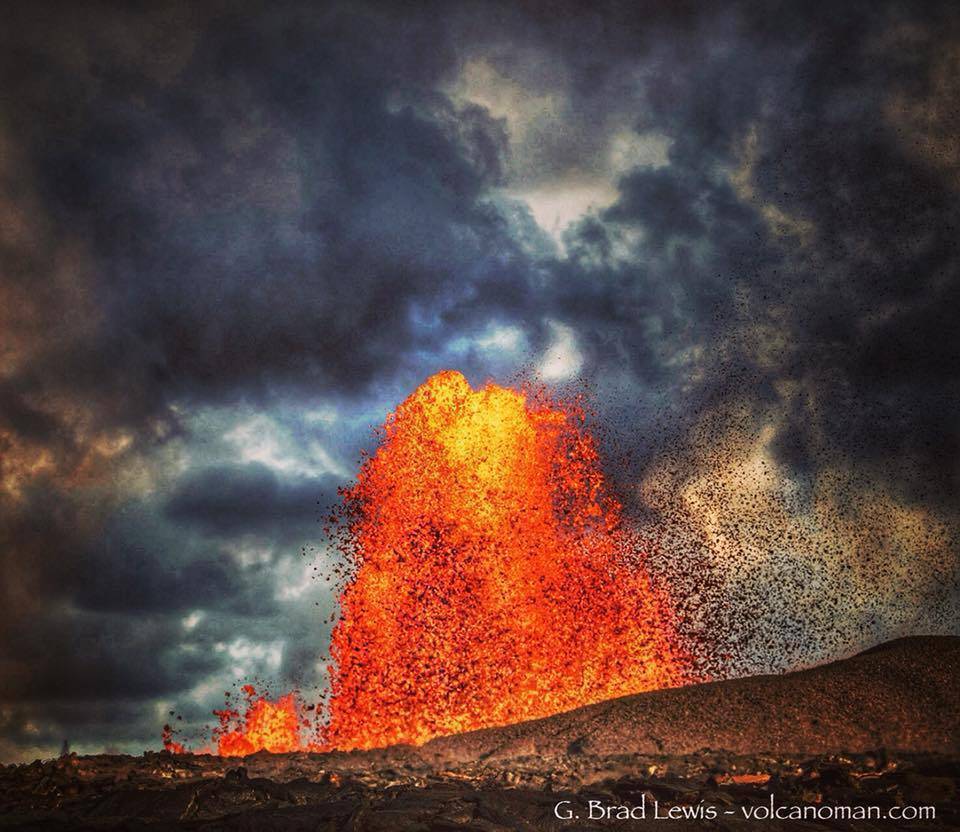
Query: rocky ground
[(646, 752)]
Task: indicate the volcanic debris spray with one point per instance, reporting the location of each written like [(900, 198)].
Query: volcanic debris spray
[(279, 726), (274, 726), (492, 580)]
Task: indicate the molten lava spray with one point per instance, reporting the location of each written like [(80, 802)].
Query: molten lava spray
[(278, 726), (273, 726), (494, 580)]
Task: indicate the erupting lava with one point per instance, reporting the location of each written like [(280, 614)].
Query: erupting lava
[(274, 726), (494, 579), (264, 725)]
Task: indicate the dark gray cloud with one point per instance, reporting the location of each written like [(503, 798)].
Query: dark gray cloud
[(232, 500)]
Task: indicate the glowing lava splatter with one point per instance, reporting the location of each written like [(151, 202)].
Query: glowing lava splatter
[(494, 580), (264, 725)]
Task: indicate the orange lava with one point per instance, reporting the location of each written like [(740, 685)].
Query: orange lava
[(494, 579), (263, 726), (266, 725), (170, 744)]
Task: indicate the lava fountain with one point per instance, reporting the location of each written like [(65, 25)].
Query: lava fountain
[(492, 580), (493, 577), (263, 725), (272, 726)]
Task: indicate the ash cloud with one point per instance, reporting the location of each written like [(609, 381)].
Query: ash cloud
[(232, 500), (300, 213)]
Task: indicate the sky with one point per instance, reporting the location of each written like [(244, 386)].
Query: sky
[(234, 236)]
